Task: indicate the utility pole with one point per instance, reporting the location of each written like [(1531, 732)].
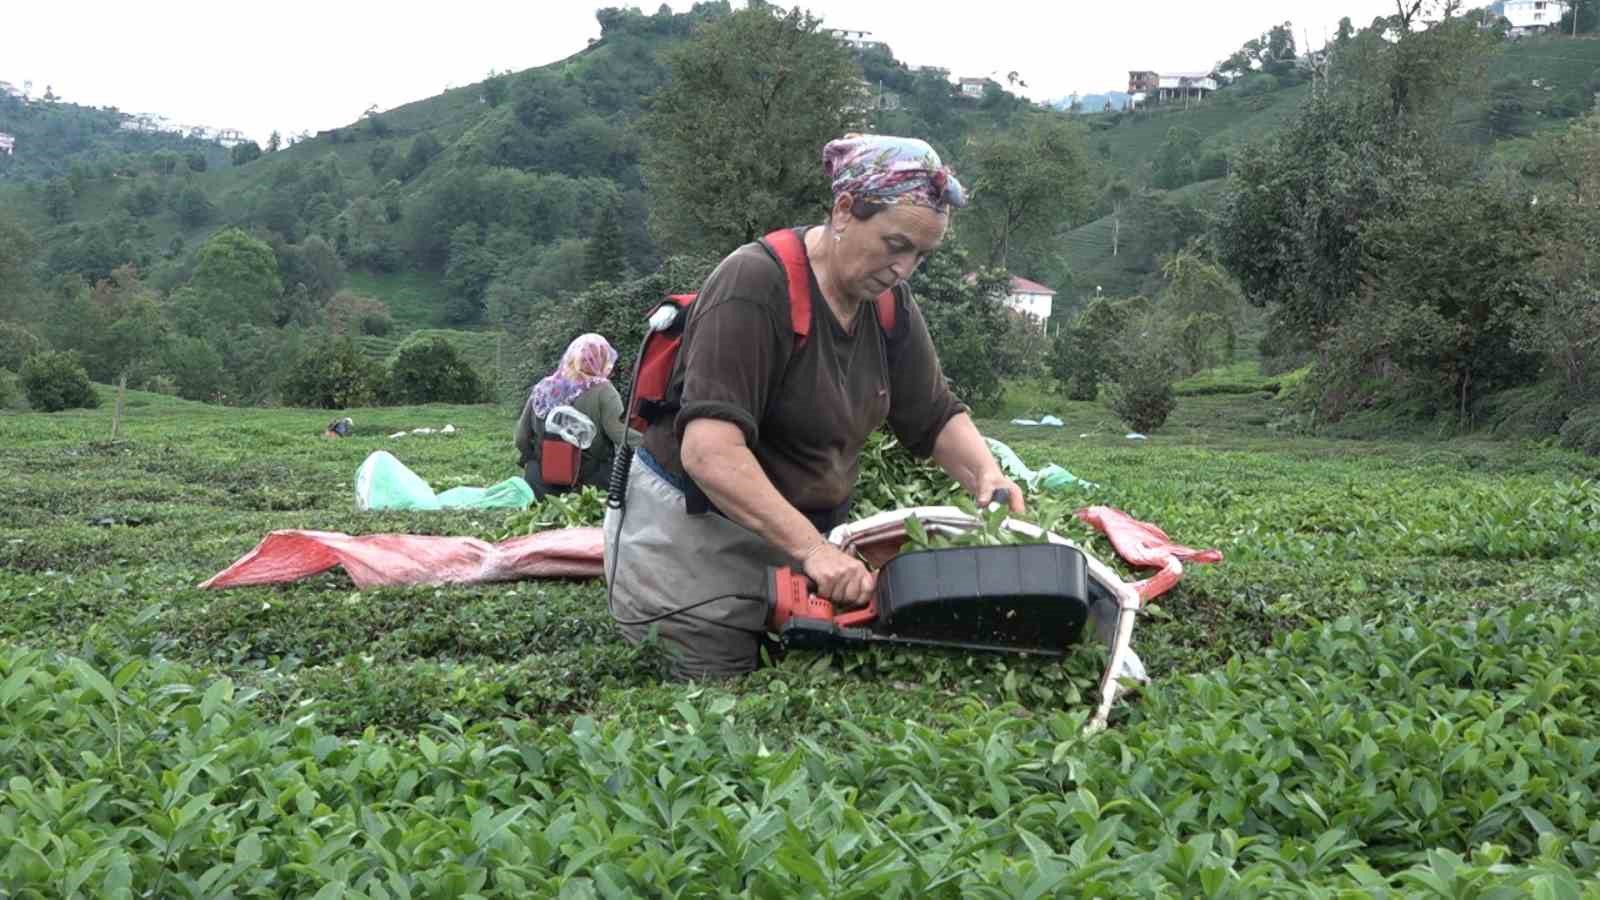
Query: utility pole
[(499, 373)]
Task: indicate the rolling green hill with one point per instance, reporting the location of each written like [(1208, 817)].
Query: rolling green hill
[(388, 190), (1089, 251), (563, 133), (1535, 74), (54, 137)]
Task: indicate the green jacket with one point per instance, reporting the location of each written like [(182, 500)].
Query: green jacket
[(603, 405)]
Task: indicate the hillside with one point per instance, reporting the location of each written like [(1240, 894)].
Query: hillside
[(530, 159), (1532, 81), (55, 137), (388, 191)]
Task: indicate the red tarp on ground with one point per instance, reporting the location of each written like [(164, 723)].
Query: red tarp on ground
[(1146, 546), (378, 560)]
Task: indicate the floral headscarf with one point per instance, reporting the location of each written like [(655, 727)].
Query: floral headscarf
[(891, 170), (586, 363)]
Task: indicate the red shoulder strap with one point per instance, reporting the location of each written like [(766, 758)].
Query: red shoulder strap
[(791, 252), (886, 311)]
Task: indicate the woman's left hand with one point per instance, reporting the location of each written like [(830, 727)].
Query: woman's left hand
[(994, 480)]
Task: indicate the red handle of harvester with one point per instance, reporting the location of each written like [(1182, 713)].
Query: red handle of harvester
[(791, 595)]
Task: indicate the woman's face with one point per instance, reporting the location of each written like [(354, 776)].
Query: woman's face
[(873, 254)]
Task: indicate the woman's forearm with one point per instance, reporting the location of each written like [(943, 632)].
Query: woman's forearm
[(717, 458), (962, 452)]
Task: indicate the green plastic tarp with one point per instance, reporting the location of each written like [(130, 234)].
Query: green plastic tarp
[(384, 482), (1050, 478)]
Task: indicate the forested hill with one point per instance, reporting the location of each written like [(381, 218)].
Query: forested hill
[(534, 157), (486, 213)]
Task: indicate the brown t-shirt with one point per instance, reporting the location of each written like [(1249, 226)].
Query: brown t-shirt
[(806, 417)]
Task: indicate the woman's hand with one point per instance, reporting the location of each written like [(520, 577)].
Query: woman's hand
[(963, 453), (841, 578), (993, 481)]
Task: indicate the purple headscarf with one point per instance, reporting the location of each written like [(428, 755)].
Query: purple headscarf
[(891, 170), (586, 363)]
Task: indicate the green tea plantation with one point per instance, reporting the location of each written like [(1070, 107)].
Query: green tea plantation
[(1390, 687)]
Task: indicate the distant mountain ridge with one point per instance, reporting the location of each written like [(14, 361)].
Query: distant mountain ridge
[(1093, 103)]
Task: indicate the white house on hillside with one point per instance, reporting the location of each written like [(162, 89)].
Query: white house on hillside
[(8, 144), (1530, 16), (1146, 85), (859, 40), (1030, 298)]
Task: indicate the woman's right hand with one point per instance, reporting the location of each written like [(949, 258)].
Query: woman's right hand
[(840, 577)]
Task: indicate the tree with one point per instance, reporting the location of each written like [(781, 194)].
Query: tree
[(1449, 277), (1093, 347), (467, 275), (605, 257), (424, 147), (379, 158), (1201, 306), (333, 375), (196, 161), (1573, 157), (16, 345), (55, 381), (135, 340), (1141, 393), (735, 137), (274, 141), (1418, 61), (1289, 226), (1177, 161), (1581, 15), (18, 254), (236, 279), (1160, 222), (1241, 62), (1027, 185), (967, 320), (164, 162), (432, 371), (58, 199), (494, 87), (195, 368), (614, 309), (311, 264), (141, 199), (375, 122), (1278, 51), (192, 206), (246, 152)]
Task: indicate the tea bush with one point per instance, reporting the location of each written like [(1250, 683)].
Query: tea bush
[(16, 345), (55, 380), (432, 371), (333, 375), (1384, 690), (1141, 393)]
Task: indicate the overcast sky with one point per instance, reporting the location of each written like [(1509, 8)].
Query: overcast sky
[(296, 65)]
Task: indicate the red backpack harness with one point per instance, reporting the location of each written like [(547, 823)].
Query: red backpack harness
[(652, 372)]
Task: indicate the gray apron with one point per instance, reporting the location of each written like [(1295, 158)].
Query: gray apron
[(665, 558)]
